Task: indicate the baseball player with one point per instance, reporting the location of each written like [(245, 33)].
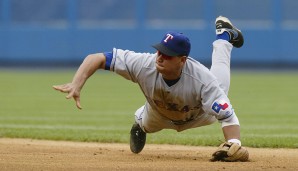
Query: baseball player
[(180, 92)]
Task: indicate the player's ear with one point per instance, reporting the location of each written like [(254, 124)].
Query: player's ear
[(183, 59)]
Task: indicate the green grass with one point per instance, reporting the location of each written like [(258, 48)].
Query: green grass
[(265, 103)]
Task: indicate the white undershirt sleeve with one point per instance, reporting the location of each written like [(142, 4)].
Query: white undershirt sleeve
[(233, 121)]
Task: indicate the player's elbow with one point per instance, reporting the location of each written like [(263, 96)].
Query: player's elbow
[(97, 59)]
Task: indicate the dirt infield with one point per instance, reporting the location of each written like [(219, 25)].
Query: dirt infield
[(25, 154)]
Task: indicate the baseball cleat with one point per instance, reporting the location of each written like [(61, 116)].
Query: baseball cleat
[(137, 138), (224, 24)]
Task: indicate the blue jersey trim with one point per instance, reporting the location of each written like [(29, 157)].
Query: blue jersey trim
[(109, 57)]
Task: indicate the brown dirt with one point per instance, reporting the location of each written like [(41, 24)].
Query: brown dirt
[(26, 154)]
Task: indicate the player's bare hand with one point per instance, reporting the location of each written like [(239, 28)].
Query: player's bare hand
[(72, 90)]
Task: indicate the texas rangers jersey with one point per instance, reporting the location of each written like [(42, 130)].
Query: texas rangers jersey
[(196, 93)]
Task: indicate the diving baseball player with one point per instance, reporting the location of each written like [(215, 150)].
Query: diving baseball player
[(180, 92)]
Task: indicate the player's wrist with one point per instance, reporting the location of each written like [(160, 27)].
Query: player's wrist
[(235, 141)]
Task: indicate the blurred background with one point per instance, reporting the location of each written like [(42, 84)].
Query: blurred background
[(39, 38), (63, 32)]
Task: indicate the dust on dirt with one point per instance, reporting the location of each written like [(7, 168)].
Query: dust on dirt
[(27, 154)]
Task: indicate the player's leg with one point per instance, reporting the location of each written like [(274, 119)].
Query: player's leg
[(227, 37), (221, 63), (150, 121), (146, 121), (137, 134)]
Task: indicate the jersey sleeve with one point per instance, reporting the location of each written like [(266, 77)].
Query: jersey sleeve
[(215, 102), (127, 63)]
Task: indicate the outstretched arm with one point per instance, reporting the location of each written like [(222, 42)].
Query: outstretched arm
[(231, 130), (90, 64)]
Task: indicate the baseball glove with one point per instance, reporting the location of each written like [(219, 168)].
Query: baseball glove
[(230, 152)]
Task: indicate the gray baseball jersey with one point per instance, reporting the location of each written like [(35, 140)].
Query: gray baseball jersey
[(195, 100)]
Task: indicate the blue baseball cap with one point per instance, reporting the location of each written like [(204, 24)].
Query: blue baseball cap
[(174, 44)]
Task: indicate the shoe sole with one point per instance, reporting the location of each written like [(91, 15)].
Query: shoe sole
[(226, 20)]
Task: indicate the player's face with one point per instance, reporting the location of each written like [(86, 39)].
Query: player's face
[(169, 66)]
